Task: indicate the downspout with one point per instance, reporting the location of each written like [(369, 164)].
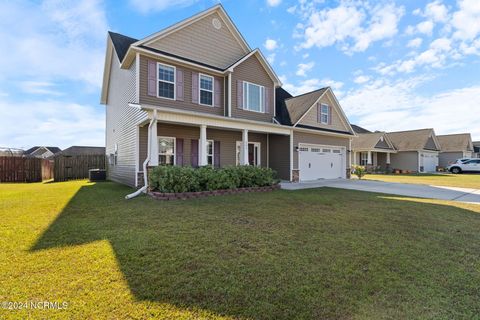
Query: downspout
[(145, 163)]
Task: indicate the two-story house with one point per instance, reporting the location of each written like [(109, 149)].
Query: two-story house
[(196, 94)]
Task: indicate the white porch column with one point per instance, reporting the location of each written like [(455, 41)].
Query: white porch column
[(388, 157), (202, 146), (369, 159), (244, 148), (153, 141)]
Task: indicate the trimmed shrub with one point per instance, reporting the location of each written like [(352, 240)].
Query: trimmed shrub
[(185, 179), (359, 171)]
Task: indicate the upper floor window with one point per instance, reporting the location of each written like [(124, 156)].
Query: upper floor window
[(253, 97), (325, 113), (166, 81), (206, 89)]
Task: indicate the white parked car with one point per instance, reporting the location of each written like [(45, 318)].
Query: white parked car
[(470, 165)]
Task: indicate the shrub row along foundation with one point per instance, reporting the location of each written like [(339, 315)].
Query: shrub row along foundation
[(203, 194)]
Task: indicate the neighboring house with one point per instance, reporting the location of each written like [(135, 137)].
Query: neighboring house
[(372, 150), (476, 149), (83, 151), (196, 94), (42, 152), (417, 150), (11, 152), (453, 147)]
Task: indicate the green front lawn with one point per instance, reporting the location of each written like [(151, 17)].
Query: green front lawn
[(449, 180), (311, 254)]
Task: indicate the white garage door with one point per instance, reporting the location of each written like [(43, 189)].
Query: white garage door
[(428, 161), (321, 162)]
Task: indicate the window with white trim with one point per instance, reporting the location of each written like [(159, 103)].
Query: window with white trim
[(206, 89), (210, 151), (324, 113), (166, 81), (363, 158), (166, 151), (253, 97)]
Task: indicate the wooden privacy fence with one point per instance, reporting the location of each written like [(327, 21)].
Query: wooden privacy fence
[(76, 167), (19, 169), (47, 169)]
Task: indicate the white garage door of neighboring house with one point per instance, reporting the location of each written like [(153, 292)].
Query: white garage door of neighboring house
[(321, 162), (428, 161)]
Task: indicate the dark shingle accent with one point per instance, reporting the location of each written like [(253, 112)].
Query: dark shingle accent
[(281, 112), (359, 129), (121, 44)]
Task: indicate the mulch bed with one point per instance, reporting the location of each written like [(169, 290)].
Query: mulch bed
[(202, 194)]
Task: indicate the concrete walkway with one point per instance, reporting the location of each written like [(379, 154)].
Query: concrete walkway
[(402, 189)]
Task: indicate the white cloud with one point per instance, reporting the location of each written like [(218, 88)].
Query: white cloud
[(466, 20), (303, 68), (436, 56), (273, 3), (415, 43), (436, 11), (361, 79), (311, 85), (425, 27), (82, 124), (384, 106), (146, 6), (60, 40), (39, 87), (305, 55), (270, 44), (352, 25)]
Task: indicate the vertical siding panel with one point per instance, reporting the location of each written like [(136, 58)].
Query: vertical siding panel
[(194, 153), (152, 78), (239, 94), (179, 152), (194, 87), (217, 93), (180, 95)]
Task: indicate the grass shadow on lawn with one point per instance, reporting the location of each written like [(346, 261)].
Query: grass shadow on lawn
[(320, 253)]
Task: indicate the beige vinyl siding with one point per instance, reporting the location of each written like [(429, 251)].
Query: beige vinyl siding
[(121, 122), (304, 137), (445, 157), (227, 139), (279, 156), (183, 105), (404, 160), (311, 117), (200, 41), (252, 70), (430, 145)]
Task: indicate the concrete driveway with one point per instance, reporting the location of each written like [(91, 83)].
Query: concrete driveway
[(402, 189)]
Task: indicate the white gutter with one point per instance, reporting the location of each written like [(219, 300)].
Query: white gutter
[(145, 163), (229, 112)]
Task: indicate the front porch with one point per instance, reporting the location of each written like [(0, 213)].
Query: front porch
[(195, 145), (374, 161)]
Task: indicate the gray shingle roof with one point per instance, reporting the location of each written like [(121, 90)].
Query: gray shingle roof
[(359, 129), (367, 141), (297, 106), (412, 140), (83, 150), (455, 142)]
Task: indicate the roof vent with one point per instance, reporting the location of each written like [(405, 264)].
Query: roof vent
[(216, 23)]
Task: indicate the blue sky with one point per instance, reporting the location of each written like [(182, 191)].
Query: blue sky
[(394, 65)]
